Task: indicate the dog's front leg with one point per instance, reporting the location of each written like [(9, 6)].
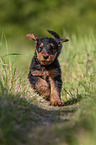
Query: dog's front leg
[(40, 84), (55, 92), (43, 88)]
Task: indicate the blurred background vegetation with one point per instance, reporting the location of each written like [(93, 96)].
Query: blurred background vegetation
[(18, 17)]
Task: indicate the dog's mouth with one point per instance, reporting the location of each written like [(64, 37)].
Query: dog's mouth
[(45, 62)]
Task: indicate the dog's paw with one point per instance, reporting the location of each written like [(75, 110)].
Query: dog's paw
[(56, 103), (46, 98)]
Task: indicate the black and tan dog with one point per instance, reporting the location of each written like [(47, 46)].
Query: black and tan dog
[(45, 73)]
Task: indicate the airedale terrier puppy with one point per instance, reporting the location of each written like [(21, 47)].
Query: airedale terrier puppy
[(45, 72)]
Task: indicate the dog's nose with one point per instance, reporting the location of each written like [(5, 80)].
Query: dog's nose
[(45, 56)]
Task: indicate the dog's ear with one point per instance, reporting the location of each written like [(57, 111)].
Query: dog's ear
[(54, 34), (31, 36), (62, 40), (57, 37)]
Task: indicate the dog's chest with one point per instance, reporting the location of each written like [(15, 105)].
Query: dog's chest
[(45, 73)]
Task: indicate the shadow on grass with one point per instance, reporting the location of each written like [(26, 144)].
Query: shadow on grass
[(18, 116), (73, 100)]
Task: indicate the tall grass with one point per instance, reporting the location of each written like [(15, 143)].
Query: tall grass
[(10, 81), (79, 65), (21, 109), (15, 99)]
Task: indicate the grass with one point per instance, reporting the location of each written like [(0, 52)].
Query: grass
[(25, 118)]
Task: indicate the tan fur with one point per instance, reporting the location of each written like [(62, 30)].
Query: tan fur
[(43, 61), (54, 97), (51, 73), (43, 88), (31, 36)]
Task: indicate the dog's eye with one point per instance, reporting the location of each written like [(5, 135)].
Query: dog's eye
[(39, 49)]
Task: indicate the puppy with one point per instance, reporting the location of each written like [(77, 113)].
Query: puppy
[(45, 72)]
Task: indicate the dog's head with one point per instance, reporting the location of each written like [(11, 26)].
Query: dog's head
[(47, 49)]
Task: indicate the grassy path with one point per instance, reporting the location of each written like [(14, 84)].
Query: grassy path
[(27, 119), (18, 117)]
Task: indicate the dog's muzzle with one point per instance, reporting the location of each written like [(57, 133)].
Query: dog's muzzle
[(46, 59)]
